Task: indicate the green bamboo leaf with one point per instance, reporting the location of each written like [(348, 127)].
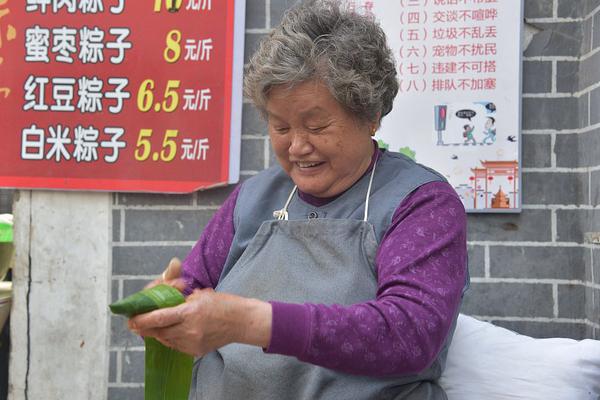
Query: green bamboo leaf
[(168, 372), (160, 296)]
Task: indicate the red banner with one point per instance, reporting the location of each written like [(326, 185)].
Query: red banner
[(115, 95)]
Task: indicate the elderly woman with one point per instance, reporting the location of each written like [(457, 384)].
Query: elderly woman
[(338, 273)]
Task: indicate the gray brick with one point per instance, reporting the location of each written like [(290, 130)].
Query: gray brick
[(120, 335), (573, 224), (112, 366), (578, 150), (253, 155), (588, 266), (592, 304), (133, 367), (596, 265), (556, 39), (255, 14), (251, 41), (536, 151), (169, 225), (114, 290), (476, 260), (566, 149), (149, 260), (131, 286), (583, 106), (567, 76), (508, 299), (537, 76), (550, 113), (595, 103), (571, 8), (589, 71), (538, 8), (571, 301), (278, 7), (592, 333), (596, 33), (124, 393), (586, 41), (533, 262), (116, 225), (589, 332), (252, 122), (595, 188), (215, 196), (541, 188), (154, 199), (545, 329), (529, 225)]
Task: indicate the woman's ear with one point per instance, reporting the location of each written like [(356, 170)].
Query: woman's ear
[(375, 124)]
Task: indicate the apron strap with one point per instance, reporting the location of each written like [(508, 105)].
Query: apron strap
[(283, 214), (370, 185)]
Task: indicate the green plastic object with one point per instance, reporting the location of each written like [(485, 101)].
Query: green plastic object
[(168, 372), (6, 246), (6, 232)]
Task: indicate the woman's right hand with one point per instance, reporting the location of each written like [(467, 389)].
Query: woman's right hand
[(171, 276)]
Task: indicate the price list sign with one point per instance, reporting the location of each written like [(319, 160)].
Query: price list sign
[(458, 107), (120, 95)]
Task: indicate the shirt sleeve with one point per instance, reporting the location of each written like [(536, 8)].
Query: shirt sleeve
[(203, 265), (422, 267)]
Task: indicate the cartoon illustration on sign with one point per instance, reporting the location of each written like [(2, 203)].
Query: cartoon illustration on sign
[(493, 185), (490, 130), (465, 123)]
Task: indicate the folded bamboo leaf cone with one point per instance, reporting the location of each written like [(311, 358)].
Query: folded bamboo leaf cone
[(168, 372)]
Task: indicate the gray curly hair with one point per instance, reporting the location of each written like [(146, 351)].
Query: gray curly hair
[(319, 39)]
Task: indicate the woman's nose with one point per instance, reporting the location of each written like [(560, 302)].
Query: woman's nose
[(300, 144)]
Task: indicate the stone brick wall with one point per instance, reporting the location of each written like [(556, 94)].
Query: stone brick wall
[(537, 272)]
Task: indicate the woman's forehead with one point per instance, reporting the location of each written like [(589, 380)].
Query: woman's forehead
[(308, 98)]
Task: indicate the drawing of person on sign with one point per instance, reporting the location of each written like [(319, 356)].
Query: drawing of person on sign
[(489, 130), (468, 134)]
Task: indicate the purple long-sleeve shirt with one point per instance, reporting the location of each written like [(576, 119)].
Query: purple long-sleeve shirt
[(421, 265)]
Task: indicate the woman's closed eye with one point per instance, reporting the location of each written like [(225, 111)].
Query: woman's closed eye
[(281, 129), (317, 129)]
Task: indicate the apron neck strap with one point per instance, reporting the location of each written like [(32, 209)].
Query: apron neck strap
[(283, 214), (370, 185)]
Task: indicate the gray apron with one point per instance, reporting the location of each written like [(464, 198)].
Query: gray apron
[(318, 261)]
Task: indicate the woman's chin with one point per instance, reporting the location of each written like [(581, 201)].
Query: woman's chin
[(309, 180), (310, 188)]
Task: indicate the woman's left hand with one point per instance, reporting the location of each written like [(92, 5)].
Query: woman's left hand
[(206, 321)]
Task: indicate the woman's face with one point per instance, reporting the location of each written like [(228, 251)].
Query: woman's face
[(321, 146)]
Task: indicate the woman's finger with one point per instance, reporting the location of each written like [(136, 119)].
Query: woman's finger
[(173, 270), (157, 319)]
